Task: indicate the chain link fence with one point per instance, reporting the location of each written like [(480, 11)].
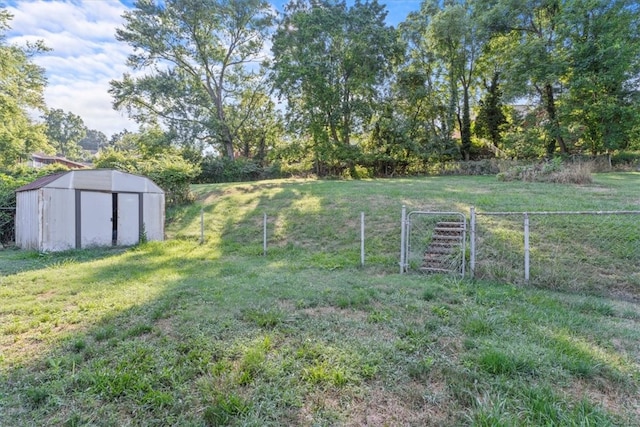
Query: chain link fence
[(586, 251), (7, 225)]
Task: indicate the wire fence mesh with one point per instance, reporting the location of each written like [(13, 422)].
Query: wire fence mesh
[(7, 224), (569, 250)]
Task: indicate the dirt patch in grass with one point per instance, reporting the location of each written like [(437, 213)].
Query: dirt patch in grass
[(165, 326), (329, 311), (600, 393), (408, 408)]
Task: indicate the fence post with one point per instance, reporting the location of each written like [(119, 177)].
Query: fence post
[(202, 225), (403, 237), (472, 243), (264, 234), (362, 239), (526, 247)]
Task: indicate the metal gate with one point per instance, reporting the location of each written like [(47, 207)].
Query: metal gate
[(433, 242)]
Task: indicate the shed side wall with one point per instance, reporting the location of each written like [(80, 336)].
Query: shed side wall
[(153, 215), (27, 219)]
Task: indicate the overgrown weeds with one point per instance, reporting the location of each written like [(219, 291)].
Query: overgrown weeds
[(555, 170)]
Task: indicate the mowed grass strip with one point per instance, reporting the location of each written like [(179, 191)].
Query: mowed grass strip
[(178, 333)]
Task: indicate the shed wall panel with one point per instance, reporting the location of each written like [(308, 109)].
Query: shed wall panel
[(58, 219), (153, 215), (128, 218), (27, 219)]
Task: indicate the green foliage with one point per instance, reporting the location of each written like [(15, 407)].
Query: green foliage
[(200, 59), (491, 118), (330, 62), (22, 85), (173, 174), (221, 169), (554, 170), (93, 141), (65, 131)]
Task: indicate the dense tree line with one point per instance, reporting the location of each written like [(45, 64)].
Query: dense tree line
[(458, 80), (329, 87)]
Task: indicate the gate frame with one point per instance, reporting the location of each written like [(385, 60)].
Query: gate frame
[(405, 236)]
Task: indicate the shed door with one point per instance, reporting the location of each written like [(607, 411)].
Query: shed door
[(96, 228), (128, 218)]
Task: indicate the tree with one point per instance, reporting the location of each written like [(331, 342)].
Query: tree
[(537, 60), (449, 41), (21, 89), (580, 58), (93, 140), (330, 62), (491, 117), (65, 131), (257, 134), (200, 57), (602, 97)]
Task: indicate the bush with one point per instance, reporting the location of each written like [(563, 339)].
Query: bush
[(173, 174), (630, 159), (217, 169)]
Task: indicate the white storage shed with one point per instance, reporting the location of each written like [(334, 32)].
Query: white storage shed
[(87, 208)]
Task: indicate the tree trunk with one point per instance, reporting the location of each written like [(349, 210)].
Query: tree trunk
[(465, 125), (554, 123)]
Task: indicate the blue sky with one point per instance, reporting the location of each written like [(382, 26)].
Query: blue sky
[(85, 55)]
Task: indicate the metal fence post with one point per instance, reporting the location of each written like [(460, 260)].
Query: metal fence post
[(472, 243), (403, 237), (264, 235), (201, 226), (362, 239), (526, 247)]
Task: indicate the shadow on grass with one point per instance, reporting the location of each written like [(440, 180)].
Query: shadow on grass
[(169, 333), (14, 260)]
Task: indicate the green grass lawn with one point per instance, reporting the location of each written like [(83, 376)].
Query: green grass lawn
[(179, 333)]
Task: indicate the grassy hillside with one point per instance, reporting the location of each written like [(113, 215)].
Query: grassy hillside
[(179, 333)]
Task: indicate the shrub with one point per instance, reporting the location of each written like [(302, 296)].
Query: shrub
[(218, 169), (173, 174)]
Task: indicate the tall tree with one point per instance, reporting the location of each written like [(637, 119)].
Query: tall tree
[(491, 117), (330, 61), (450, 33), (200, 56), (22, 85), (93, 140), (65, 131), (538, 56), (602, 99)]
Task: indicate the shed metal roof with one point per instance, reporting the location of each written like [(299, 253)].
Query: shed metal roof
[(96, 180), (40, 182)]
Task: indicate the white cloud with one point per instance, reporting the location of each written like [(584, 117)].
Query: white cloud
[(85, 55)]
